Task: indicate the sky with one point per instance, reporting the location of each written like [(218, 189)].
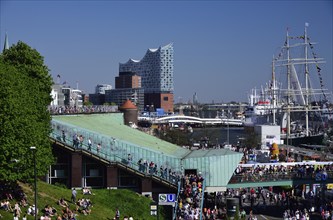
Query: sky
[(222, 49)]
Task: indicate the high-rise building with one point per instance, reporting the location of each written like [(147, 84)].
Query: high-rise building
[(156, 72)]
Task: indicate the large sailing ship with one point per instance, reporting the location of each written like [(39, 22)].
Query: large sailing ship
[(290, 98)]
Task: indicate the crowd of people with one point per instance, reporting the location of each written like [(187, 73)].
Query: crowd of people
[(190, 197), (78, 141), (67, 110), (163, 171), (277, 171)]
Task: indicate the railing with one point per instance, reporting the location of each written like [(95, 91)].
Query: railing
[(110, 145), (176, 203), (202, 198), (144, 169), (280, 176)]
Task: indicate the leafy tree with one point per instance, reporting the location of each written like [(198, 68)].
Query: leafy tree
[(252, 140), (25, 88), (174, 136), (87, 103)]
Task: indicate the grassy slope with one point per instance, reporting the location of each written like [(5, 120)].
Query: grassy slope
[(104, 202)]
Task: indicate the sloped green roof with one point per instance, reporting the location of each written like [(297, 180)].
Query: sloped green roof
[(210, 153), (112, 125)]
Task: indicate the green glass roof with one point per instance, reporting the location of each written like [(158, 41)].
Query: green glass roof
[(112, 125)]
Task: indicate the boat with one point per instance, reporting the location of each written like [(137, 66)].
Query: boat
[(292, 102)]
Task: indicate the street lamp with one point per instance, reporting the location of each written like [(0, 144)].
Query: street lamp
[(33, 149)]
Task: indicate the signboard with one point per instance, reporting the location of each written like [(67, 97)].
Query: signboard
[(153, 209), (329, 186), (166, 199)]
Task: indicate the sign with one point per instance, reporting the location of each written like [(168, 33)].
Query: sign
[(329, 186), (153, 209), (166, 199)]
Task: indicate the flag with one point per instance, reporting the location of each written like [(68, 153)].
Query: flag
[(306, 24)]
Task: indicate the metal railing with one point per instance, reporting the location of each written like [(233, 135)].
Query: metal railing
[(93, 150), (280, 176)]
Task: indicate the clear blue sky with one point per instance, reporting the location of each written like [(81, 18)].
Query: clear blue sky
[(222, 49)]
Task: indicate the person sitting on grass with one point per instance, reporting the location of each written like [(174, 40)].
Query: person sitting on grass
[(6, 205), (45, 217), (86, 191), (32, 210), (24, 202), (49, 211), (62, 202), (17, 210)]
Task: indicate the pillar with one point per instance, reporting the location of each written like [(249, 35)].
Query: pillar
[(112, 177), (76, 170), (146, 187)]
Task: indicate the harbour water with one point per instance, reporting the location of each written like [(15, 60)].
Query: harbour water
[(218, 135)]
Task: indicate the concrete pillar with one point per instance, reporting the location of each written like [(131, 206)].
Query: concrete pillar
[(146, 187), (76, 170), (112, 177)]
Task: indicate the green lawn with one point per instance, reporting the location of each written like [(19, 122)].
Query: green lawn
[(104, 202)]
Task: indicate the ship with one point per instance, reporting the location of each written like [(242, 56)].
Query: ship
[(292, 102)]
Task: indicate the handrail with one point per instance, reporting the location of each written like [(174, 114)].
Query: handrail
[(176, 203), (250, 177), (114, 158), (203, 197)]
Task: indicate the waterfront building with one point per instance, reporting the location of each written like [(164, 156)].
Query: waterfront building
[(98, 98), (127, 80), (100, 88), (63, 95), (127, 87), (156, 72), (58, 97), (118, 96)]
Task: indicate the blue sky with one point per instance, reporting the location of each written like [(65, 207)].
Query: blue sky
[(222, 49)]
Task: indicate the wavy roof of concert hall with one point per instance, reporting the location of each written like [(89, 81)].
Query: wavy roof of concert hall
[(112, 125)]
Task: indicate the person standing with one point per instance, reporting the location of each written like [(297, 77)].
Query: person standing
[(74, 140), (63, 136), (129, 159), (98, 147), (73, 195), (89, 143), (117, 214)]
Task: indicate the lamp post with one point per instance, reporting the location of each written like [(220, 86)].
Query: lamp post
[(33, 149)]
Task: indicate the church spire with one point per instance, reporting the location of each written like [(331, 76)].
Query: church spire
[(6, 45)]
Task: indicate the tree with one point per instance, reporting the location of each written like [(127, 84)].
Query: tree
[(252, 140), (88, 103), (25, 89)]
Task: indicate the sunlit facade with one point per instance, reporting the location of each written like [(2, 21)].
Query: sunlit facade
[(155, 69)]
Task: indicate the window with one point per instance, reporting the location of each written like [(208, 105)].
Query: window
[(165, 98)]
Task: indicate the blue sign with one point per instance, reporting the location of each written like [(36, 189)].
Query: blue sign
[(321, 176), (166, 199)]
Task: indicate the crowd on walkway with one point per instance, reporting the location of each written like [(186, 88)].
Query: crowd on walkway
[(190, 197), (67, 110), (164, 172), (257, 172), (78, 141)]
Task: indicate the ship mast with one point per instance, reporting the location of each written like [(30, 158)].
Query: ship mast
[(274, 92), (288, 88), (306, 80)]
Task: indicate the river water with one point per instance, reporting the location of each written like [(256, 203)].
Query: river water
[(218, 134)]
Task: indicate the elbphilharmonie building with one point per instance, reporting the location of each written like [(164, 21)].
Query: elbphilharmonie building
[(156, 71)]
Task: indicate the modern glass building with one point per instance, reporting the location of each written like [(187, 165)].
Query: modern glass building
[(156, 71)]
